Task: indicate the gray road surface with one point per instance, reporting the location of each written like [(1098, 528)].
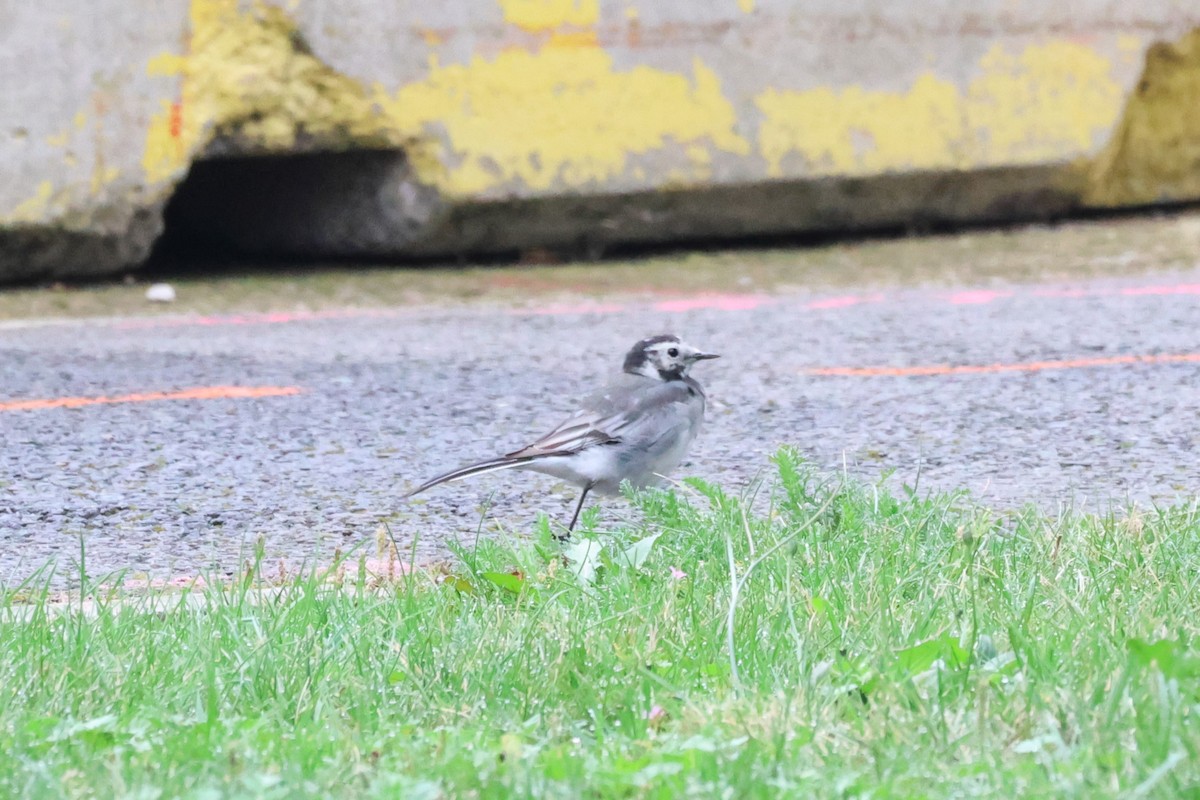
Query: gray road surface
[(392, 397)]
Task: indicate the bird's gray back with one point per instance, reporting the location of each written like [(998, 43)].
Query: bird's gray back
[(630, 409), (637, 392)]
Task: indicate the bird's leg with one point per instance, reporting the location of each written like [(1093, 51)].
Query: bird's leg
[(578, 509)]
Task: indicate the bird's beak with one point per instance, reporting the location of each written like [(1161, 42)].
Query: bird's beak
[(705, 356)]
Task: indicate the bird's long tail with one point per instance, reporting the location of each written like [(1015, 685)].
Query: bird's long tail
[(491, 465)]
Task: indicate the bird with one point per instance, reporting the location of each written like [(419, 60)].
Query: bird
[(637, 429)]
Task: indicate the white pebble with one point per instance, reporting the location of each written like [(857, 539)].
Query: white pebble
[(161, 293)]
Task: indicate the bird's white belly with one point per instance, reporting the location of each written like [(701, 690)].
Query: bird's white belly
[(604, 467), (593, 467)]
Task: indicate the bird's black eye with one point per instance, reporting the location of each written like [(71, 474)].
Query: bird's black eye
[(673, 352)]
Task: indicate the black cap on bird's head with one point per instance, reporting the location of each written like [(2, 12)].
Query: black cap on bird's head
[(665, 357)]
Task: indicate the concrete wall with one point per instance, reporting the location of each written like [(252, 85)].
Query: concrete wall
[(497, 124)]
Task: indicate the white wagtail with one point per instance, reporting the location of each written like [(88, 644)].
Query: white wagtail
[(637, 429)]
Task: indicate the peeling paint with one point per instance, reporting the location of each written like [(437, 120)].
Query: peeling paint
[(857, 131), (1131, 46), (103, 176), (164, 155), (60, 139), (1051, 102), (47, 201), (1048, 103), (547, 15), (559, 117), (248, 76), (1154, 153), (34, 208)]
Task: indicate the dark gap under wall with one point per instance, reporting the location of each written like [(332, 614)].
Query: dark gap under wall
[(366, 206), (354, 204)]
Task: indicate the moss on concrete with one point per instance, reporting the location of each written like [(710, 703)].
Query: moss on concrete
[(252, 84), (1154, 154)]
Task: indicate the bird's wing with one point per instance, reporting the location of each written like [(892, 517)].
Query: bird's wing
[(608, 416)]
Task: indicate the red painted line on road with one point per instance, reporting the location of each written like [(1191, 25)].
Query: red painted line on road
[(1178, 288), (717, 302), (198, 393), (703, 301), (989, 369), (1077, 293), (976, 297), (843, 301), (569, 308), (1068, 292)]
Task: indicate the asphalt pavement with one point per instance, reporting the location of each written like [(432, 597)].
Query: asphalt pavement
[(170, 445)]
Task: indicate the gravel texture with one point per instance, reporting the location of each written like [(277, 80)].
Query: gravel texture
[(390, 399)]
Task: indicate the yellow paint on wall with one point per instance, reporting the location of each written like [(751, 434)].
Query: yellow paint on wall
[(171, 135), (560, 117), (573, 39), (1047, 103), (46, 202), (164, 156), (547, 15), (565, 116), (1130, 44), (248, 76), (1051, 101), (33, 209), (166, 64), (857, 131), (63, 137), (700, 159), (102, 176)]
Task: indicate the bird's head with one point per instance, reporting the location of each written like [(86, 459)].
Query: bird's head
[(663, 357)]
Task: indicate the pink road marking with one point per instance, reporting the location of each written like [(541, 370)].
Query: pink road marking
[(1074, 294), (706, 301), (1178, 288), (843, 301), (717, 302), (568, 308), (975, 297)]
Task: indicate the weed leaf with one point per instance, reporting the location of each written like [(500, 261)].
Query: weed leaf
[(584, 558), (505, 580), (636, 554)]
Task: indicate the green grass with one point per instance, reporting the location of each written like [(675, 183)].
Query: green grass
[(828, 640)]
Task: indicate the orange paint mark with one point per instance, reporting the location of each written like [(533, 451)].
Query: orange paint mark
[(199, 393), (991, 369), (175, 123)]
